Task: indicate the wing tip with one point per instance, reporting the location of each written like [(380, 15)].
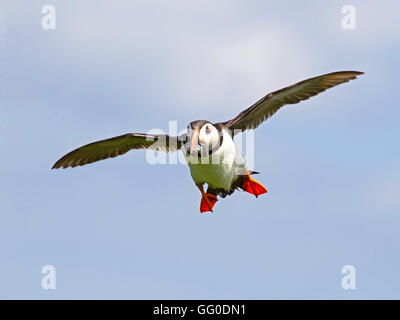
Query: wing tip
[(339, 77), (357, 73), (352, 72), (60, 165), (57, 166)]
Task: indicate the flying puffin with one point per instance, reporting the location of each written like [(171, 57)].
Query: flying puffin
[(209, 150)]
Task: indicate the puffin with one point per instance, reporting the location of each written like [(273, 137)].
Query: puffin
[(210, 152)]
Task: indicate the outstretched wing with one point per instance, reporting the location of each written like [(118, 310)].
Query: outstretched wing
[(117, 146), (252, 117)]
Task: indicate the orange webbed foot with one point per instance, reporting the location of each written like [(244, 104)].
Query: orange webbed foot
[(252, 186), (207, 203)]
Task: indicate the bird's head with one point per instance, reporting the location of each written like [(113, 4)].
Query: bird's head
[(203, 136)]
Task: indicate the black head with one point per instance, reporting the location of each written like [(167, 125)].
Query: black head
[(203, 135), (197, 124)]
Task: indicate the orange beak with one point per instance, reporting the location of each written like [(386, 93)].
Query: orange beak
[(195, 139)]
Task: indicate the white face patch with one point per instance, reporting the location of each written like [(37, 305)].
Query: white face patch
[(208, 136)]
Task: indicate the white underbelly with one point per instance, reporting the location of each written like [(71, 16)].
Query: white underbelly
[(222, 173), (216, 176)]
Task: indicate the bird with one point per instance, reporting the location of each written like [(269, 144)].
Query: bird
[(209, 149)]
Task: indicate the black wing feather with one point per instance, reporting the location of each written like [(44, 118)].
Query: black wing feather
[(252, 117), (110, 148)]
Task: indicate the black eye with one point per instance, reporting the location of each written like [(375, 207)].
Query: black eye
[(208, 130)]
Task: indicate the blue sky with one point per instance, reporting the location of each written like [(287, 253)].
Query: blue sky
[(125, 229)]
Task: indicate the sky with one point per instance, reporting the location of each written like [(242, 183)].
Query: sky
[(126, 229)]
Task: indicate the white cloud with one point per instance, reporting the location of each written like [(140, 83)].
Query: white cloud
[(237, 68), (205, 62)]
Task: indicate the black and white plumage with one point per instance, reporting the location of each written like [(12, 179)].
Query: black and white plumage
[(209, 149)]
